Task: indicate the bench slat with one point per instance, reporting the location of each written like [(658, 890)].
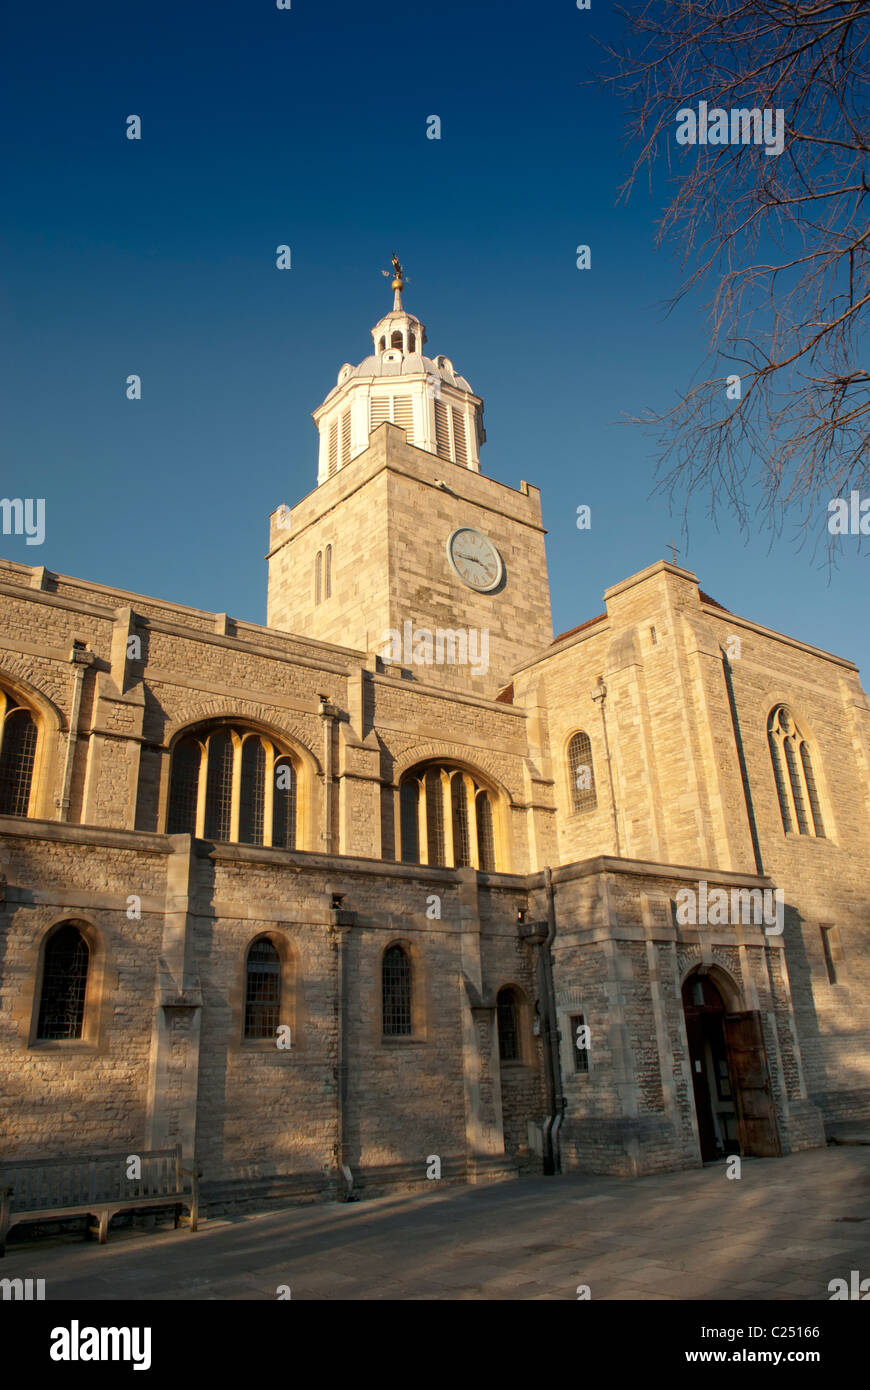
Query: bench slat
[(73, 1182)]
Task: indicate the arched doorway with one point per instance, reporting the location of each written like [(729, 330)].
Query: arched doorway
[(730, 1075)]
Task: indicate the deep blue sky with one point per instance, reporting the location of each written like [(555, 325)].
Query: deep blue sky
[(308, 127)]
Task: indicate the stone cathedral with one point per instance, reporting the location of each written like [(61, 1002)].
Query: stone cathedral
[(399, 877)]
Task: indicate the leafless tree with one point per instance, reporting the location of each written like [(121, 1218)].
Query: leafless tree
[(782, 240)]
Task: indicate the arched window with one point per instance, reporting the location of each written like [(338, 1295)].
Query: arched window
[(459, 807), (184, 787), (219, 787), (485, 832), (327, 578), (284, 805), (253, 792), (581, 774), (17, 758), (508, 1009), (796, 787), (412, 343), (383, 345), (433, 786), (234, 785), (396, 340), (262, 990), (396, 989), (409, 798), (64, 983), (318, 576), (446, 818)]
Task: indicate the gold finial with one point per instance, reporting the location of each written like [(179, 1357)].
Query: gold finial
[(398, 281)]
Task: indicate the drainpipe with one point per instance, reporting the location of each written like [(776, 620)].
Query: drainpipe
[(81, 659), (327, 713), (552, 1069), (555, 1066), (599, 695), (341, 921)]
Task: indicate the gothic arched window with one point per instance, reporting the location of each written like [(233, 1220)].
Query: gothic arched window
[(253, 792), (219, 787), (508, 1010), (459, 808), (581, 773), (262, 990), (318, 577), (409, 799), (396, 992), (446, 818), (184, 787), (485, 832), (796, 787), (284, 807), (64, 984), (233, 785), (17, 757), (327, 575)]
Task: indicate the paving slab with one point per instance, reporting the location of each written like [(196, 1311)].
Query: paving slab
[(783, 1231)]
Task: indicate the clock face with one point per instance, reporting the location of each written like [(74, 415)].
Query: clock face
[(475, 559)]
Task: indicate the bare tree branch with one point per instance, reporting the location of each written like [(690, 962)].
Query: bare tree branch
[(782, 239)]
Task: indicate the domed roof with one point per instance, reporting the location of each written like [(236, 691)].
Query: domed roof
[(397, 339), (393, 362)]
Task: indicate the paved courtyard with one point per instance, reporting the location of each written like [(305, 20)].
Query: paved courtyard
[(781, 1231)]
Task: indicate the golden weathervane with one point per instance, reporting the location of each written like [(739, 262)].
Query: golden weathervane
[(397, 273)]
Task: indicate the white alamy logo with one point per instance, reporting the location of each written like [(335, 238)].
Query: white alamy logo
[(742, 907), (445, 646), (857, 1288), (24, 518), (742, 126), (850, 518), (75, 1343), (23, 1289)]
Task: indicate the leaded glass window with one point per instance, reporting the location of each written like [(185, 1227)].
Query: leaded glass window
[(184, 787), (204, 798), (396, 982), (442, 805), (284, 806), (508, 1025), (17, 759), (64, 983), (253, 789), (263, 990), (582, 774), (219, 787), (793, 773), (485, 833)]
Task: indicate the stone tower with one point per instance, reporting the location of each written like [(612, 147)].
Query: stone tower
[(405, 549)]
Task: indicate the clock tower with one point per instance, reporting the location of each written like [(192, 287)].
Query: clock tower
[(405, 549)]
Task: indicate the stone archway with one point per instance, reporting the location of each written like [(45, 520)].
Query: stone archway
[(730, 1074)]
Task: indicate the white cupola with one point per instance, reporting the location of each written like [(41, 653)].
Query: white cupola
[(424, 396)]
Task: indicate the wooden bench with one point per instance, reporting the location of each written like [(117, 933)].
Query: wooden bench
[(44, 1189)]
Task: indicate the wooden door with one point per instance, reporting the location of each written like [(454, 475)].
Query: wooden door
[(756, 1117)]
